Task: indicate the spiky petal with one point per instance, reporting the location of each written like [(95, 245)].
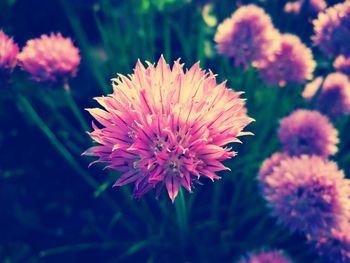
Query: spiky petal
[(166, 127)]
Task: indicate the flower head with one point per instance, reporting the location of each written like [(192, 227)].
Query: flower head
[(342, 64), (272, 256), (248, 36), (308, 194), (50, 58), (166, 127), (332, 34), (8, 54), (311, 88), (291, 62), (334, 99), (335, 245), (308, 132)]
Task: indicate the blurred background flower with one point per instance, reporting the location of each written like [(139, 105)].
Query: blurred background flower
[(308, 194), (50, 58), (308, 132)]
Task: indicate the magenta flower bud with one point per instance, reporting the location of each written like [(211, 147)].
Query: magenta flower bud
[(331, 28), (334, 99), (308, 194), (50, 59), (248, 36), (308, 132), (291, 62), (272, 256), (164, 126), (342, 64), (8, 55)]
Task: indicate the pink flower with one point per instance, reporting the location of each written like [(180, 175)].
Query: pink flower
[(291, 62), (166, 127), (50, 58), (308, 132), (332, 34), (308, 194), (248, 36), (8, 54)]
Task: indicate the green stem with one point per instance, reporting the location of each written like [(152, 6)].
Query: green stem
[(28, 109), (181, 214), (74, 107)]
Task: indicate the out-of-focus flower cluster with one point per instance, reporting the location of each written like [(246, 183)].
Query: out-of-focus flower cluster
[(50, 59), (250, 39)]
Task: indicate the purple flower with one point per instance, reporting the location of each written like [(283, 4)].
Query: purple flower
[(8, 54), (335, 245), (308, 194), (50, 58), (332, 30), (272, 256), (334, 99), (166, 127), (248, 36), (342, 64), (291, 62), (308, 132)]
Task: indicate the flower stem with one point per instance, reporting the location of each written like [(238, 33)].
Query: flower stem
[(181, 214), (74, 107)]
